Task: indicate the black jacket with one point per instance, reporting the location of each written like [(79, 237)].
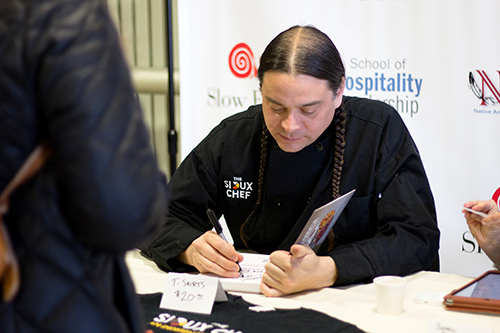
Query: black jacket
[(63, 78), (388, 227)]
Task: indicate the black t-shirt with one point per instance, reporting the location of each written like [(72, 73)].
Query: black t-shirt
[(236, 316)]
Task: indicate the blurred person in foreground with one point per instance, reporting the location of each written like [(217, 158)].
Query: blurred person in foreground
[(63, 79)]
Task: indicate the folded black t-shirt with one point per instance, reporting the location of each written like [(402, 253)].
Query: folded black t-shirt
[(236, 316)]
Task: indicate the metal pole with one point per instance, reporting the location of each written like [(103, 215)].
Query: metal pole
[(172, 134)]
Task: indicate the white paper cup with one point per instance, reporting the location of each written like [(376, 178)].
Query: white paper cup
[(389, 292)]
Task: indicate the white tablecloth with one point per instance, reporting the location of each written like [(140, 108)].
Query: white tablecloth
[(354, 304)]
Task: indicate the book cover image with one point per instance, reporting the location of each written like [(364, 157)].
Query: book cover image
[(322, 221)]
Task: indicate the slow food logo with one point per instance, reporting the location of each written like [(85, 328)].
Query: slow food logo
[(242, 61), (242, 64)]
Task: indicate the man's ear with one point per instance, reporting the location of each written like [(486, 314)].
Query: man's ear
[(340, 93)]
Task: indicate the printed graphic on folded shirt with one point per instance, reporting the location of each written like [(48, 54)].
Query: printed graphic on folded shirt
[(236, 316)]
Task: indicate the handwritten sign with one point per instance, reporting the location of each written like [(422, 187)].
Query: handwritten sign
[(192, 293)]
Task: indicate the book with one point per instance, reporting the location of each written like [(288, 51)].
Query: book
[(322, 221), (313, 234)]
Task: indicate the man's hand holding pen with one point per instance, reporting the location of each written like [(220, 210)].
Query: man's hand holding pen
[(210, 253), (218, 229)]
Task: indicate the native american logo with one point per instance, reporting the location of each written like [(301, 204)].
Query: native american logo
[(486, 90)]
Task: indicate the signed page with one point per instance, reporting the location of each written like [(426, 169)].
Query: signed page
[(252, 268)]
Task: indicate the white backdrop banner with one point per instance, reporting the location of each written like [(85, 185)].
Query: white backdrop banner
[(436, 62)]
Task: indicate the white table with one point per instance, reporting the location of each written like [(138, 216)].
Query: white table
[(354, 304)]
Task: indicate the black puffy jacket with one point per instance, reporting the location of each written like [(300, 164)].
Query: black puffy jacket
[(63, 77)]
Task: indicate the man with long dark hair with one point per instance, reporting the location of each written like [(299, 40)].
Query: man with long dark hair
[(268, 168)]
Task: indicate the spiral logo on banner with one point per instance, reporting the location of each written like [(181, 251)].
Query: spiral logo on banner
[(242, 62)]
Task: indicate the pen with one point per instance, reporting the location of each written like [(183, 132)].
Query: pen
[(218, 229), (476, 212)]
